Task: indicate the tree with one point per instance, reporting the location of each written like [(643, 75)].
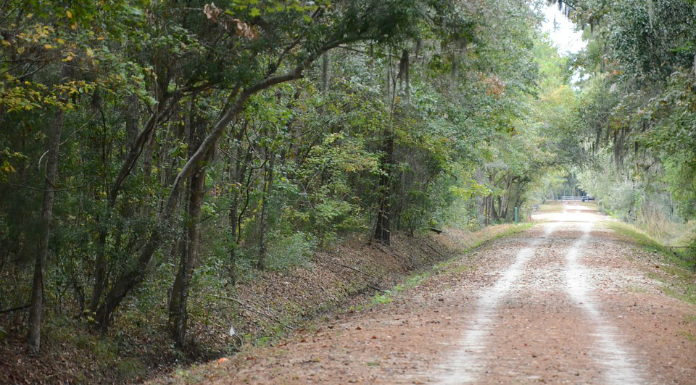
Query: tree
[(350, 22), (37, 293)]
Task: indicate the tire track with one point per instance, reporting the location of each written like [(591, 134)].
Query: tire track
[(481, 340), (467, 363), (620, 366)]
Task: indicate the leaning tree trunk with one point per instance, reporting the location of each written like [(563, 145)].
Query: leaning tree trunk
[(135, 143), (130, 114), (136, 273), (37, 292)]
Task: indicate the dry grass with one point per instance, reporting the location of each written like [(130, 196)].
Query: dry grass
[(676, 269), (551, 207), (658, 226)]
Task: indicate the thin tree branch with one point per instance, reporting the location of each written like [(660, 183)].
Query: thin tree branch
[(24, 307)]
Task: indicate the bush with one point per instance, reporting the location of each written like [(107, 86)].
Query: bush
[(285, 252)]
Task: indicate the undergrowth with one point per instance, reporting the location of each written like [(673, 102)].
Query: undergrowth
[(679, 263)]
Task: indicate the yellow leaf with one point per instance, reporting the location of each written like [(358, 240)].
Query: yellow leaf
[(30, 15), (74, 26), (48, 46), (69, 58), (60, 41), (89, 52), (6, 43), (20, 50), (69, 15)]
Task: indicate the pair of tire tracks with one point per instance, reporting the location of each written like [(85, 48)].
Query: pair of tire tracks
[(468, 364)]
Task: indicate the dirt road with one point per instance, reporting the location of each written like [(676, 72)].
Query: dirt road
[(565, 302)]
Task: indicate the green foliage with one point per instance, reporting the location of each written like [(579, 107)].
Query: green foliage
[(382, 298), (286, 252), (652, 39), (130, 369)]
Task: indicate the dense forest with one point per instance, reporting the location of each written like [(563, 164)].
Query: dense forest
[(155, 152)]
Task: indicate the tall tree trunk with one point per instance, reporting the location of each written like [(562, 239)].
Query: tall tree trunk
[(384, 212), (193, 132), (177, 306), (501, 207), (383, 227), (99, 271), (238, 168), (232, 215), (494, 214), (37, 292), (417, 49), (148, 158), (233, 244), (263, 222), (486, 210), (404, 75)]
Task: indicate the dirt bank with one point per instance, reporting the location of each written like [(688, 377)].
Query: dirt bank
[(263, 308)]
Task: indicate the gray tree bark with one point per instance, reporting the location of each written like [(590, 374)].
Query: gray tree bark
[(37, 292), (178, 315), (263, 222)]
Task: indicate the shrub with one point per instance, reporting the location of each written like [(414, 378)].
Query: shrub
[(285, 252)]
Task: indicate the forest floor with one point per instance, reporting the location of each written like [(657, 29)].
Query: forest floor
[(571, 300)]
